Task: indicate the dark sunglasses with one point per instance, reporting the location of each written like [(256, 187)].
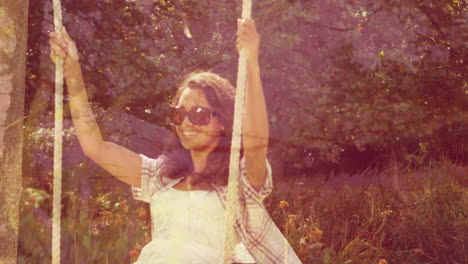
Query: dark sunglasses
[(198, 115)]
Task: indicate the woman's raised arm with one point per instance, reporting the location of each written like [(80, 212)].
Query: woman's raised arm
[(119, 161), (255, 127)]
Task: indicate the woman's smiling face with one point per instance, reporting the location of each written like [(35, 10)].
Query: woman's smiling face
[(198, 138)]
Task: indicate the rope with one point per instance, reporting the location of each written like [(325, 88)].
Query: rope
[(233, 206), (57, 191)]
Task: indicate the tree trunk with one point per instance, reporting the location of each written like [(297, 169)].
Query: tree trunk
[(13, 39)]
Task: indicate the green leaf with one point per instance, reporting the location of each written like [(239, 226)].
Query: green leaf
[(353, 247), (86, 241)]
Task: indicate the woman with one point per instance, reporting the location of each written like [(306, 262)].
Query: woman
[(186, 185)]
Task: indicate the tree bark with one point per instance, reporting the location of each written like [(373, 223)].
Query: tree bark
[(13, 41)]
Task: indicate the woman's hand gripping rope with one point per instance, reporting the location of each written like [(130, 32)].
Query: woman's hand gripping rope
[(248, 38), (63, 46)]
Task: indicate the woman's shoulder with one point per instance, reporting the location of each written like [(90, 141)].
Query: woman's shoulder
[(153, 169)]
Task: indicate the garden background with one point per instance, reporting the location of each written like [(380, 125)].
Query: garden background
[(367, 104)]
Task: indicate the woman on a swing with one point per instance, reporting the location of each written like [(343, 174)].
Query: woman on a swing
[(186, 185)]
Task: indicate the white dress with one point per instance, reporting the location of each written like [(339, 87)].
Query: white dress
[(187, 228)]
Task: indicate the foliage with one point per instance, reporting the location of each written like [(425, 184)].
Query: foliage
[(340, 77), (372, 75), (107, 228), (324, 223), (349, 223)]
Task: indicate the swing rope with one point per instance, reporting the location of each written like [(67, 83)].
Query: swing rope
[(233, 208), (57, 189)]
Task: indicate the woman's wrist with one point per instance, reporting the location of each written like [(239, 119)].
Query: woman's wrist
[(74, 78), (71, 63), (253, 64)]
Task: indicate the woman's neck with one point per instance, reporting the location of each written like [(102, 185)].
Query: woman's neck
[(199, 159)]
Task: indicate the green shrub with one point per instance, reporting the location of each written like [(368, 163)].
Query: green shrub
[(324, 223), (373, 224)]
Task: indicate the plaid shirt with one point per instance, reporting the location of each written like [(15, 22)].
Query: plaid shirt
[(254, 227)]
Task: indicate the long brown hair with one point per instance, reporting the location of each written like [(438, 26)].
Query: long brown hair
[(220, 95)]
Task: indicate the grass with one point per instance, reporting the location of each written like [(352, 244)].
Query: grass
[(422, 221), (362, 219)]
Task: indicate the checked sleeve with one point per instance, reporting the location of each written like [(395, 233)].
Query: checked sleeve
[(249, 191), (151, 180)]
